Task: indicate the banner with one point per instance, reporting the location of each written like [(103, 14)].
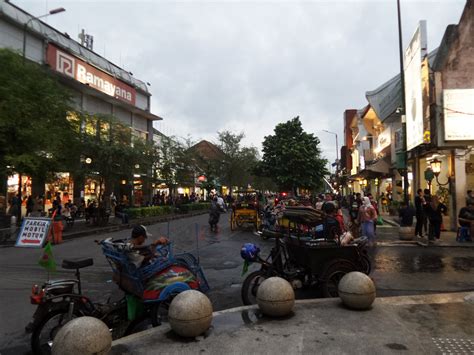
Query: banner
[(414, 55)]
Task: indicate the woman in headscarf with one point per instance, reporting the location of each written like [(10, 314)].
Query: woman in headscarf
[(367, 217)]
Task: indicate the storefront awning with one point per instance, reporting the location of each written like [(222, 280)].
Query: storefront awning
[(378, 169)]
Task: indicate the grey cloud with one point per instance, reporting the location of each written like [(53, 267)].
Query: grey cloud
[(247, 66)]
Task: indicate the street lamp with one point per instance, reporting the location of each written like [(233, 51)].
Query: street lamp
[(51, 12), (403, 108), (436, 168)]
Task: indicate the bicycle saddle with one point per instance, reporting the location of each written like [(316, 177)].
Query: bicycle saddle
[(77, 263)]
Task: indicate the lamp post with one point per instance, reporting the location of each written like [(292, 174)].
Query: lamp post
[(403, 108), (436, 168), (25, 27)]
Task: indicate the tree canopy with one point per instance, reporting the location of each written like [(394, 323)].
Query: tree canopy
[(292, 157), (35, 137)]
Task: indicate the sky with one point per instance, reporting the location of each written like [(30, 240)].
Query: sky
[(245, 66)]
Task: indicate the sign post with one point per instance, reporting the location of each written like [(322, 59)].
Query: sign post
[(33, 232)]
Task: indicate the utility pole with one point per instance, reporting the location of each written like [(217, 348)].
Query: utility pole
[(403, 108)]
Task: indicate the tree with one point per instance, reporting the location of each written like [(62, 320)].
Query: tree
[(292, 158), (237, 166), (113, 152), (35, 136)]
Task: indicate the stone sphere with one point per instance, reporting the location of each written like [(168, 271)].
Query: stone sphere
[(406, 233), (190, 313), (83, 336), (357, 290), (275, 297)]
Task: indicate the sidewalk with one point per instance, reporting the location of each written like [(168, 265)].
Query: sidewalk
[(448, 238), (82, 229), (433, 324)]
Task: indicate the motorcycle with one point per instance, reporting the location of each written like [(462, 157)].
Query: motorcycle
[(143, 305), (304, 263)]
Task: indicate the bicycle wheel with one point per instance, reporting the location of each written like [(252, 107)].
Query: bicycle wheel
[(43, 334), (332, 274), (250, 286)]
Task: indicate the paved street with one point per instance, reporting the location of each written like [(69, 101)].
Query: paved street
[(398, 270)]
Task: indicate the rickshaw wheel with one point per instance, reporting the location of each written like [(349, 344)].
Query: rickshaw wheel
[(332, 274), (238, 221), (366, 267), (250, 287)]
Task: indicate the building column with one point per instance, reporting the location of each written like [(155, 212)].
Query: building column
[(459, 186)]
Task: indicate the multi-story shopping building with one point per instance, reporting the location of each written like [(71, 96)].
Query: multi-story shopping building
[(97, 85), (439, 116)]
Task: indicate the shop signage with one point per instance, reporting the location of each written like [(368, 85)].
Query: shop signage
[(414, 56), (85, 73), (384, 140), (458, 114), (33, 232)]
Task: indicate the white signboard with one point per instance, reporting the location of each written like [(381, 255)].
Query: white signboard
[(458, 114), (384, 140), (414, 55), (33, 232)]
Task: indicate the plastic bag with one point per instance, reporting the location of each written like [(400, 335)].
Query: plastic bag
[(379, 221)]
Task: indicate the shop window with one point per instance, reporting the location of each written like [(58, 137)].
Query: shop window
[(104, 128), (74, 119)]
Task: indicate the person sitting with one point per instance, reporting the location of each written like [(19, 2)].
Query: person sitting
[(332, 225), (466, 217), (121, 212), (141, 254), (406, 214)]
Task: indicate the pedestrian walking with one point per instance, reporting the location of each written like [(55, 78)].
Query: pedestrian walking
[(214, 214), (367, 217), (30, 204), (420, 214), (355, 206), (376, 207), (435, 210), (426, 207), (15, 208)]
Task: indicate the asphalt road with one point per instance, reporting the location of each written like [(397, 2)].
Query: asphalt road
[(397, 270)]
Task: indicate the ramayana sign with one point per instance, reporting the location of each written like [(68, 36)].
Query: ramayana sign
[(79, 70)]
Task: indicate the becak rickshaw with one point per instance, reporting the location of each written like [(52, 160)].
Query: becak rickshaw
[(245, 210)]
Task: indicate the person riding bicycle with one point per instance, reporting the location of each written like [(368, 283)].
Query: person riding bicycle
[(141, 254)]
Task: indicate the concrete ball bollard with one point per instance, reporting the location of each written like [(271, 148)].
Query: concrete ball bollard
[(357, 290), (190, 313), (83, 336), (275, 297), (406, 233)]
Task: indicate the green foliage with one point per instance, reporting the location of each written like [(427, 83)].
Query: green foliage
[(35, 136), (174, 164), (292, 158), (154, 211), (108, 143), (237, 166)]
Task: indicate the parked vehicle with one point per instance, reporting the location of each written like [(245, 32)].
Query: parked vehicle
[(245, 210), (304, 259), (60, 301)]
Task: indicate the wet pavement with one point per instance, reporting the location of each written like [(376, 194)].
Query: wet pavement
[(398, 269), (440, 324)]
